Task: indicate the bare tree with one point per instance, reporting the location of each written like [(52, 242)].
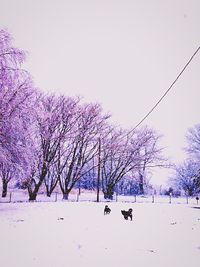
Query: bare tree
[(193, 150), (151, 157), (123, 153), (54, 121), (185, 178), (193, 140), (80, 148)]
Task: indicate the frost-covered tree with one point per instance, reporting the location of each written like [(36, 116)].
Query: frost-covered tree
[(123, 153), (79, 150), (151, 157), (193, 150), (185, 177), (55, 117), (187, 173), (17, 101), (115, 160), (193, 142)]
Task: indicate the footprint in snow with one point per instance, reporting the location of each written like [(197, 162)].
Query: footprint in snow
[(151, 250), (173, 223), (20, 220)]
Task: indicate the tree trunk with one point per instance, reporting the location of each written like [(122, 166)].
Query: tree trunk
[(32, 196), (66, 195), (99, 170), (5, 188), (108, 194), (190, 192), (33, 193), (141, 184), (48, 194)]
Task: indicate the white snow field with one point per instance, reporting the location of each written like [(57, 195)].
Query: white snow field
[(78, 234)]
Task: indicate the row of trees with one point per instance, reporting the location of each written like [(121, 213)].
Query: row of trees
[(59, 141)]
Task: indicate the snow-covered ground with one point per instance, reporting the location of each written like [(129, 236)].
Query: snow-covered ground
[(78, 234)]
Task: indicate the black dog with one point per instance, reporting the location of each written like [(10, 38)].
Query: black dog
[(107, 210), (127, 214)]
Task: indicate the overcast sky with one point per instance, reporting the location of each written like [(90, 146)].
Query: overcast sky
[(122, 54)]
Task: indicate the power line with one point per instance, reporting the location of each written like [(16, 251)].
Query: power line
[(167, 91)]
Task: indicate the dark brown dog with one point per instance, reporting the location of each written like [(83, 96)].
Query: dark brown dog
[(127, 214), (107, 210)]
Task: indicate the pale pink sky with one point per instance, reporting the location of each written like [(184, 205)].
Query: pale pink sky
[(123, 54)]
